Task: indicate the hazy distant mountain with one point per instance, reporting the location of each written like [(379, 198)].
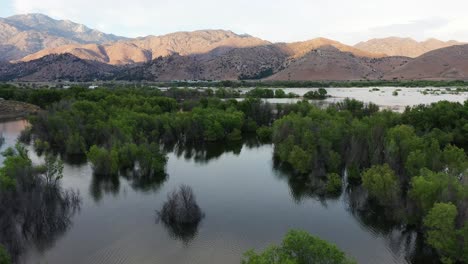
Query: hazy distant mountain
[(446, 63), (22, 35), (394, 46)]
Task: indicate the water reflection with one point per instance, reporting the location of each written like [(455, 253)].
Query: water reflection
[(104, 184), (304, 187), (206, 152), (110, 184)]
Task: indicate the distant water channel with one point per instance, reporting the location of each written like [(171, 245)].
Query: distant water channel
[(248, 200)]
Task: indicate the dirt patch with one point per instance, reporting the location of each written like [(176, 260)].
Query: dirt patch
[(10, 110)]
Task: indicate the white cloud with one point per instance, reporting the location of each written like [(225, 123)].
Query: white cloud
[(275, 20)]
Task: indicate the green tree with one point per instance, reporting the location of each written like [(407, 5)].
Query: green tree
[(299, 159), (442, 234), (431, 187), (16, 163), (381, 183), (104, 162), (75, 144), (333, 183), (299, 247), (264, 133)]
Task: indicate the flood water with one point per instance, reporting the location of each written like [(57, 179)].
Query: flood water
[(382, 97), (248, 203)]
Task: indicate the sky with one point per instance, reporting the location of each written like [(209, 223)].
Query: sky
[(348, 21)]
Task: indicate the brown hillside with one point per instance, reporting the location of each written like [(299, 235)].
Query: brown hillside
[(446, 63)]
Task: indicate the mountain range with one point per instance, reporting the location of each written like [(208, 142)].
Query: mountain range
[(35, 47)]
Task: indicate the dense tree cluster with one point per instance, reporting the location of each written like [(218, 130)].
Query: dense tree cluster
[(407, 162), (320, 94)]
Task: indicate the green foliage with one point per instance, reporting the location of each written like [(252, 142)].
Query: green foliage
[(54, 169), (354, 174), (16, 163), (4, 256), (280, 93), (261, 93), (320, 94), (442, 234), (381, 183), (235, 135), (104, 162), (401, 140), (75, 145), (333, 183), (264, 133), (41, 146), (299, 247), (432, 187), (150, 160), (299, 159)]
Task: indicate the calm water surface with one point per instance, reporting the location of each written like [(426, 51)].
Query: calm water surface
[(248, 202)]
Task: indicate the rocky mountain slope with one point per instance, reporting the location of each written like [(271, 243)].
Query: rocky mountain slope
[(22, 35), (330, 63), (151, 47), (57, 67), (54, 50), (408, 47)]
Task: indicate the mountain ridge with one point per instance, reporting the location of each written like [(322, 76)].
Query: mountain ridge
[(64, 50)]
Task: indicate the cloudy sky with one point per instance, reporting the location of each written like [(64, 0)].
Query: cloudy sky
[(349, 21)]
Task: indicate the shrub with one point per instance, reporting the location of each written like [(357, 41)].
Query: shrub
[(299, 247), (333, 183), (104, 162), (381, 183), (264, 133)]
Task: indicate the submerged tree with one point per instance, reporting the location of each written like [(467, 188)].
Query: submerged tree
[(181, 213), (443, 235), (381, 183), (34, 207)]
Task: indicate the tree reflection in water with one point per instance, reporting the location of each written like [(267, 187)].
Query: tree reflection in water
[(35, 212), (110, 184), (304, 186), (205, 152)]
